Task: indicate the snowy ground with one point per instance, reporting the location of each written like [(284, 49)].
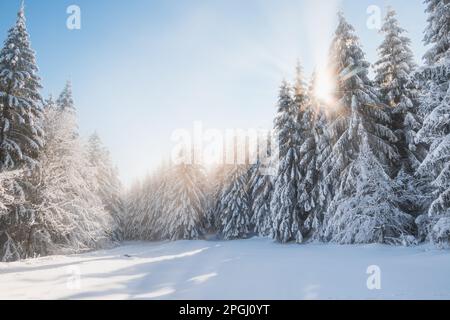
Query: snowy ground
[(247, 269)]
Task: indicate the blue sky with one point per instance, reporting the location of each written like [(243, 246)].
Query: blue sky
[(144, 68)]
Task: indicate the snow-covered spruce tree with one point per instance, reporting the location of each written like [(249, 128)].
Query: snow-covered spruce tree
[(109, 188), (65, 100), (261, 189), (436, 33), (132, 225), (361, 140), (146, 206), (312, 135), (394, 77), (186, 207), (371, 213), (139, 222), (21, 134), (158, 217), (321, 193), (234, 208), (285, 203), (435, 106), (216, 186)]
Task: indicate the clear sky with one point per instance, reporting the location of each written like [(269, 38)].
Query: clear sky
[(143, 68)]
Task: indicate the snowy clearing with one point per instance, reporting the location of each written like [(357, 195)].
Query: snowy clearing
[(244, 269)]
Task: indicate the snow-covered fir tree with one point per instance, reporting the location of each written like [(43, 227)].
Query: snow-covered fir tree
[(65, 100), (394, 77), (146, 206), (435, 106), (234, 207), (139, 224), (216, 186), (21, 133), (361, 139), (132, 224), (261, 188), (436, 32), (186, 209), (158, 207), (311, 127), (285, 203), (320, 194), (109, 188), (371, 213), (130, 198)]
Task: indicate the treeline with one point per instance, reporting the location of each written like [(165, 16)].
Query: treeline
[(371, 164), (58, 194)]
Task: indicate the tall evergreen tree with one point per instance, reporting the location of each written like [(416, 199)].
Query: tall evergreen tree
[(361, 138), (309, 124), (65, 99), (394, 77), (217, 184), (261, 188), (285, 204), (321, 194), (436, 32), (234, 219), (435, 106), (132, 225), (146, 207), (21, 134), (186, 209)]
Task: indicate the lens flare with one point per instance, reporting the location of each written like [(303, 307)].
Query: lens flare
[(324, 87)]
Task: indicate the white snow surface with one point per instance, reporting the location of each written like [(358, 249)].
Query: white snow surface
[(244, 269)]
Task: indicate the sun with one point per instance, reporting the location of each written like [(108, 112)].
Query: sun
[(324, 87)]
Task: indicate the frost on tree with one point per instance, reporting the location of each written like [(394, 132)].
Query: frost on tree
[(10, 196), (133, 199), (71, 216), (109, 188), (65, 100), (437, 31), (187, 205), (141, 201), (435, 106), (361, 139), (321, 193), (371, 214), (216, 180), (21, 134), (170, 204), (285, 204), (146, 206), (394, 77), (261, 188), (234, 213), (312, 123)]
